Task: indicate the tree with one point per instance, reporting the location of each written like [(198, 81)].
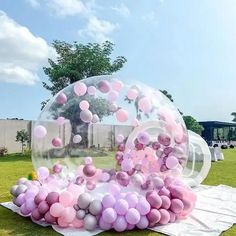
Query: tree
[(192, 124), (234, 115), (76, 62), (167, 95), (22, 136)]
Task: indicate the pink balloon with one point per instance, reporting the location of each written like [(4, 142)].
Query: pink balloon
[(145, 105), (92, 90), (108, 201), (60, 120), (56, 142), (40, 131), (66, 198), (61, 99), (117, 85), (84, 105), (80, 88), (68, 214), (56, 209), (61, 222), (165, 217), (172, 162), (132, 94), (132, 200), (122, 115), (75, 189), (112, 96), (77, 223), (176, 205)]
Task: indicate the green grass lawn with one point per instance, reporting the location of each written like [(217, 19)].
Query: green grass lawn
[(13, 167)]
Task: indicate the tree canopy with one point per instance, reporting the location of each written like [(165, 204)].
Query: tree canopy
[(234, 115), (77, 61), (192, 124)]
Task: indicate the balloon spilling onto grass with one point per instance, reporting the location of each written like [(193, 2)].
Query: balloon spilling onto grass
[(108, 154)]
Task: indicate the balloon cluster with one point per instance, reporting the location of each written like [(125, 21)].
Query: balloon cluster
[(142, 188)]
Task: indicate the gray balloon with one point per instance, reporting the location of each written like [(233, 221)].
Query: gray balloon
[(95, 207), (20, 189), (90, 222), (84, 200), (13, 190), (80, 214)]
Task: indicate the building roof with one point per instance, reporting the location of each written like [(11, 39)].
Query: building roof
[(217, 124)]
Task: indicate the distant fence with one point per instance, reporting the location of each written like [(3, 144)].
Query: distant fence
[(99, 135)]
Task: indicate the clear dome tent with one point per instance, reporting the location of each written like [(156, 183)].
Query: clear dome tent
[(110, 120), (94, 117)]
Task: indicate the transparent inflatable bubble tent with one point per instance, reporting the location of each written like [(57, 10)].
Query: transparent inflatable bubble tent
[(120, 124)]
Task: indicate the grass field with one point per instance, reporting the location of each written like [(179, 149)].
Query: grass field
[(14, 166)]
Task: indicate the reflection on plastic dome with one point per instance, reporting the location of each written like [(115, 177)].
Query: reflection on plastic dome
[(121, 125), (199, 160)]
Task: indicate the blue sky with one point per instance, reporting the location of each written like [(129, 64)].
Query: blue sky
[(186, 47)]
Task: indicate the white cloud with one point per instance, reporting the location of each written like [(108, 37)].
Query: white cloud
[(68, 7), (97, 29), (21, 53), (33, 3), (122, 9)]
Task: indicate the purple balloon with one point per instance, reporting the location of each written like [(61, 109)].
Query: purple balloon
[(24, 211), (30, 204), (122, 178), (103, 225), (108, 201), (43, 207), (120, 224), (132, 216), (52, 197), (86, 116), (132, 200), (143, 223), (36, 215), (109, 215), (143, 206), (20, 200), (41, 196), (61, 98), (42, 173), (121, 207), (49, 218)]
